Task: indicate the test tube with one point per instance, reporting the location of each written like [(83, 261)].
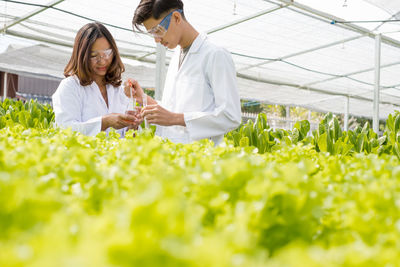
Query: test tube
[(132, 101)]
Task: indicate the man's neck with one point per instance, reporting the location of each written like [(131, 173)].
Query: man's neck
[(189, 35)]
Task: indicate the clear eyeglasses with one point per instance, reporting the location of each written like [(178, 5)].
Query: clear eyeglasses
[(96, 56), (161, 29)]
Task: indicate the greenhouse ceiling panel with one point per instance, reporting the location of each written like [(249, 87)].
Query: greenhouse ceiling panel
[(304, 53)]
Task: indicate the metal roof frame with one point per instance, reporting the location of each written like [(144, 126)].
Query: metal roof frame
[(31, 14), (354, 73), (360, 32), (253, 16), (364, 32)]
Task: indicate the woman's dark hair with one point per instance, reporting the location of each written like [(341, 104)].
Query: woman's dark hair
[(79, 64), (154, 8)]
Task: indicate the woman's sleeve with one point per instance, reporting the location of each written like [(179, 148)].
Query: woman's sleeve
[(68, 108)]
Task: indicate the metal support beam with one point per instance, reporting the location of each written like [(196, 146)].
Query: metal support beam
[(70, 41), (126, 53), (302, 52), (258, 14), (148, 54), (311, 11), (318, 100), (55, 29), (375, 121), (311, 89), (31, 14), (160, 71), (351, 74), (346, 113)]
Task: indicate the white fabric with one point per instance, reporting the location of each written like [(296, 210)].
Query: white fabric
[(82, 107), (204, 89), (392, 7)]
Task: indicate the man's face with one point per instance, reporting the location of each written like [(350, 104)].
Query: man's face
[(164, 30)]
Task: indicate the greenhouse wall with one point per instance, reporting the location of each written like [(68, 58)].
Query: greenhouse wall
[(12, 84)]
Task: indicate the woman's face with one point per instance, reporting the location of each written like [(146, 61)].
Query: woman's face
[(101, 56)]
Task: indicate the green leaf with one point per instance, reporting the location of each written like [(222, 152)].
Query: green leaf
[(322, 142), (397, 123), (244, 141), (337, 129), (396, 150)]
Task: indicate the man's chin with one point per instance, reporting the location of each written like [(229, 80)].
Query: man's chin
[(171, 46)]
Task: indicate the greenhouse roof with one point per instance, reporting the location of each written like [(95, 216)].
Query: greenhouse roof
[(299, 53), (42, 61)]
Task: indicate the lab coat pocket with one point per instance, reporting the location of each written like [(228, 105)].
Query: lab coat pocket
[(190, 94)]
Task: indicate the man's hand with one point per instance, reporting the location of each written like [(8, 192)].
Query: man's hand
[(155, 114), (133, 86), (138, 118)]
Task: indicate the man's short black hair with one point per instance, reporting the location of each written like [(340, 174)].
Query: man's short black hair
[(154, 8)]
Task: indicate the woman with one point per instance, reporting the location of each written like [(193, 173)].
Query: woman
[(91, 99)]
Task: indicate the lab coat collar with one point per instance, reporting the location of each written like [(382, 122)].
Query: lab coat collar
[(110, 95), (197, 43)]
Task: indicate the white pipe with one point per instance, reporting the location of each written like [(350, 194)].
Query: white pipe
[(252, 16), (346, 113), (31, 14), (375, 122), (352, 26), (160, 71)]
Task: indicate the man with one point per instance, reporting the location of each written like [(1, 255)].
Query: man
[(200, 98)]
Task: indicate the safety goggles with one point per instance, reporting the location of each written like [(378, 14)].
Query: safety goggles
[(161, 29), (96, 56)]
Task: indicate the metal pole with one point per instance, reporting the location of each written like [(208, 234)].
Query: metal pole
[(375, 122), (31, 14), (346, 113), (252, 16), (160, 71), (5, 86), (330, 17), (311, 89)]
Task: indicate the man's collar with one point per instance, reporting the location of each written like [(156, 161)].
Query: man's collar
[(195, 46)]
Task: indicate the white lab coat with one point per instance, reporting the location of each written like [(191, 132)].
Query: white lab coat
[(204, 89), (82, 107)]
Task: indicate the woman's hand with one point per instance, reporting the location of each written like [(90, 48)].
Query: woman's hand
[(155, 114), (138, 118), (119, 121), (133, 86)]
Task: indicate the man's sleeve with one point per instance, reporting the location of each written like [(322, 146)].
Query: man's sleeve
[(227, 114)]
